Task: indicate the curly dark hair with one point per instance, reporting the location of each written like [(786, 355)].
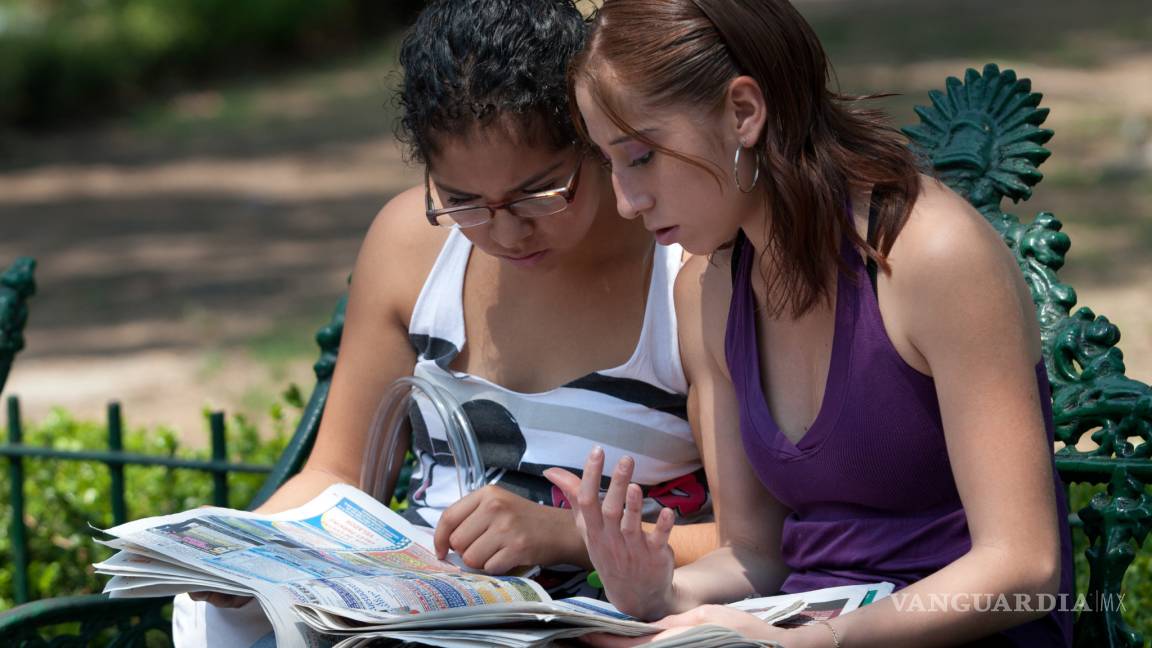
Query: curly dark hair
[(471, 64)]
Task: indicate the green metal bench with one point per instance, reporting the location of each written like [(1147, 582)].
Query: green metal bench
[(133, 622), (983, 137)]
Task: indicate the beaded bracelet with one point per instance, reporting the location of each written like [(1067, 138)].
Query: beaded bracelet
[(835, 635)]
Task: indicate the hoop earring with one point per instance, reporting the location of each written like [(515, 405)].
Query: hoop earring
[(736, 171)]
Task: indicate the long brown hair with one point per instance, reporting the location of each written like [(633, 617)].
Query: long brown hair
[(817, 145)]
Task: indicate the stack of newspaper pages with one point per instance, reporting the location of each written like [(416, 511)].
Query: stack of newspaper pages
[(345, 570)]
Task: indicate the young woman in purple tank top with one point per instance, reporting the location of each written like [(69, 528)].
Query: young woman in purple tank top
[(865, 360)]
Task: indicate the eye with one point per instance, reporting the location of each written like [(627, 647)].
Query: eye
[(455, 201), (643, 159)]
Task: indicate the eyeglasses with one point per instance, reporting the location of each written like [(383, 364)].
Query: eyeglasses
[(543, 203)]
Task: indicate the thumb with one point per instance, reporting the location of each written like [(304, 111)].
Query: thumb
[(568, 483)]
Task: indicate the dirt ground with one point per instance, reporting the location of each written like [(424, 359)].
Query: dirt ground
[(188, 251)]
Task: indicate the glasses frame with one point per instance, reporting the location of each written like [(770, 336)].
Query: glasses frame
[(567, 192)]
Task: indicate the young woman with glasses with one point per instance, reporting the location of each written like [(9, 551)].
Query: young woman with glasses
[(862, 349), (508, 279)]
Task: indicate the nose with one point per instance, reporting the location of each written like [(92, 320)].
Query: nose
[(630, 201), (508, 230)]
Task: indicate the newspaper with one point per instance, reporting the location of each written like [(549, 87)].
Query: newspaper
[(345, 570), (460, 630), (818, 605), (342, 549), (518, 625)]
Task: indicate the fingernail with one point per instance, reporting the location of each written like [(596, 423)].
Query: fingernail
[(598, 452), (627, 461)]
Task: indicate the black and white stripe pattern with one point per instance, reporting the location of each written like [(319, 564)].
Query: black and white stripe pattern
[(637, 409)]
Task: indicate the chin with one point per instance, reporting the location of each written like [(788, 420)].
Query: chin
[(697, 248)]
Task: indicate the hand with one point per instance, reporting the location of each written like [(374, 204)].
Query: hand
[(220, 599), (634, 565), (733, 619), (496, 530)]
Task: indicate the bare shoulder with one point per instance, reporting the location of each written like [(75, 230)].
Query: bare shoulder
[(703, 290), (399, 250), (948, 265), (401, 231), (945, 234)]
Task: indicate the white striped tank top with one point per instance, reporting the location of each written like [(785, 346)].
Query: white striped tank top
[(638, 408)]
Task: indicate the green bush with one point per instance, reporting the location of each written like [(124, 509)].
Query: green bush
[(65, 61), (62, 498)]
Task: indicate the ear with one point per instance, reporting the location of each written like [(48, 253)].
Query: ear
[(747, 108)]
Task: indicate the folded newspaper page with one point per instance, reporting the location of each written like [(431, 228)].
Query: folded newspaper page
[(527, 625), (343, 549), (345, 570), (818, 605)]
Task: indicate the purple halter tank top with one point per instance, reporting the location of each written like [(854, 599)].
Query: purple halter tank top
[(869, 485)]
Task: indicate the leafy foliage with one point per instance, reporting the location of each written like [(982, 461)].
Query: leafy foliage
[(66, 60), (62, 498)]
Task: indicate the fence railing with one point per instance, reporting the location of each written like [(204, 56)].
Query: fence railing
[(115, 458)]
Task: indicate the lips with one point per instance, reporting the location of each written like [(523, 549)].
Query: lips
[(525, 260), (666, 235)]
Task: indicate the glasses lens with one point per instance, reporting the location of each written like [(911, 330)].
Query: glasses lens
[(542, 206), (464, 217)]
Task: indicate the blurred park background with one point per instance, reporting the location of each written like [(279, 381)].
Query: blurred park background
[(194, 176)]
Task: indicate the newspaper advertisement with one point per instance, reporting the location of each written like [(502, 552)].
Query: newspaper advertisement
[(342, 549)]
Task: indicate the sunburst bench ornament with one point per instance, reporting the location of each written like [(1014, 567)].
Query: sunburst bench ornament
[(983, 138)]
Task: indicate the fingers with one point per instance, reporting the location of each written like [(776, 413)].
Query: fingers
[(452, 518), (478, 554), (613, 506), (229, 601), (219, 599), (502, 562), (695, 616), (467, 540), (589, 494), (605, 640), (658, 536), (568, 483), (630, 522)]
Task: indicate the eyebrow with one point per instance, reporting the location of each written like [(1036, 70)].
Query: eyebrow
[(520, 187), (626, 137)]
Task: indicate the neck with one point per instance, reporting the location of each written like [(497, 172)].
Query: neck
[(758, 221)]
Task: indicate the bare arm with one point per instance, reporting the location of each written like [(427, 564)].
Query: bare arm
[(393, 262), (960, 298), (689, 542), (749, 519)]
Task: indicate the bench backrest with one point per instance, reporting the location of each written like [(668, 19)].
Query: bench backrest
[(17, 284), (982, 136)]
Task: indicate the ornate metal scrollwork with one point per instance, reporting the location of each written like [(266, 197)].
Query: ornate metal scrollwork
[(17, 284), (982, 137)]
